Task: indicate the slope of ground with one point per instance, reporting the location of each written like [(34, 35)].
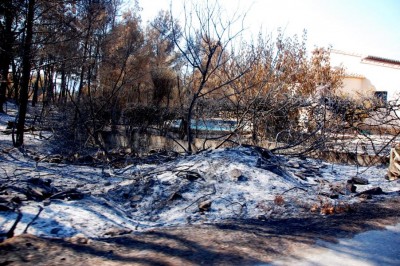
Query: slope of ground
[(245, 242), (239, 205)]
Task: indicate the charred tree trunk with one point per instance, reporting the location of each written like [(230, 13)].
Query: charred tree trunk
[(16, 82), (26, 72), (50, 86), (6, 51)]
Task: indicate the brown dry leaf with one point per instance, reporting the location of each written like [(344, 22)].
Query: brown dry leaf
[(314, 208), (327, 209), (278, 200)]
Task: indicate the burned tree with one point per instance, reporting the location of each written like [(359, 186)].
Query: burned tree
[(207, 46)]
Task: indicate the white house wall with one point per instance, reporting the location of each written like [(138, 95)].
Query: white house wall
[(377, 76), (356, 87)]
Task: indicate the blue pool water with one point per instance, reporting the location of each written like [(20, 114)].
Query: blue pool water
[(208, 125)]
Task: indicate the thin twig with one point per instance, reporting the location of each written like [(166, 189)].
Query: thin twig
[(5, 172), (202, 197), (232, 203), (33, 220), (305, 190)]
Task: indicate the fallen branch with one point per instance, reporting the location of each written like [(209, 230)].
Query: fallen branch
[(122, 171), (70, 194), (305, 190), (22, 173), (10, 131), (370, 192)]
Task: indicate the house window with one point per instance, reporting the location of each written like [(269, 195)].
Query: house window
[(382, 95)]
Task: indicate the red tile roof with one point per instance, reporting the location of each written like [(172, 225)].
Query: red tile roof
[(381, 60)]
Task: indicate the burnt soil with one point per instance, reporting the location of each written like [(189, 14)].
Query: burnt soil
[(239, 242)]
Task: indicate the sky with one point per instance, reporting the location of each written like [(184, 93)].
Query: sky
[(366, 27)]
